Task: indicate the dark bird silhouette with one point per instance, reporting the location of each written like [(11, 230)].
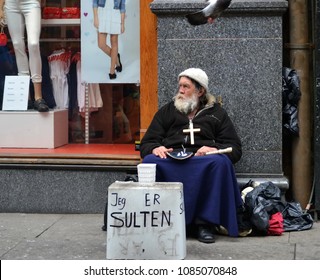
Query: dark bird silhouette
[(212, 11)]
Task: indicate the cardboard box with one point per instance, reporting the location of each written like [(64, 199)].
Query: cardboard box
[(146, 221)]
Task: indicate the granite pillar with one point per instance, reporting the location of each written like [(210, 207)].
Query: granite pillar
[(242, 55)]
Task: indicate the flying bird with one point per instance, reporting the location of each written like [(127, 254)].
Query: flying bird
[(212, 11)]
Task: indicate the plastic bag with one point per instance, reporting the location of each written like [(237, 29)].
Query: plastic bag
[(265, 200), (290, 99), (295, 219)]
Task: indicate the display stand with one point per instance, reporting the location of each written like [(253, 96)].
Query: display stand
[(86, 125), (31, 129)]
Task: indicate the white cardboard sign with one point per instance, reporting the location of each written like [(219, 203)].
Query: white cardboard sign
[(15, 94), (146, 221)]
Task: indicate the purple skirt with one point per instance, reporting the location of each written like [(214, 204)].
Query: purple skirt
[(211, 191)]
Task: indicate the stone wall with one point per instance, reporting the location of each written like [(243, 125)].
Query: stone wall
[(56, 190), (242, 55)]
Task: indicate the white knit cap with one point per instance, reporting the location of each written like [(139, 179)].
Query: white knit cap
[(196, 74)]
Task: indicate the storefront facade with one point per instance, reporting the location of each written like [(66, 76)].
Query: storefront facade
[(242, 52)]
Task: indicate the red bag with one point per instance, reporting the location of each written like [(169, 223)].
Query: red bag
[(70, 12), (51, 12), (276, 224), (3, 38)]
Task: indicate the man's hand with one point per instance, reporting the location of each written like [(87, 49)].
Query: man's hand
[(204, 150), (161, 151)]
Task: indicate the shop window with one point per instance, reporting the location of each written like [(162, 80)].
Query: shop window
[(117, 121), (114, 116)]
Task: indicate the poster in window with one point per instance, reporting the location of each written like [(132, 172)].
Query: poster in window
[(101, 28)]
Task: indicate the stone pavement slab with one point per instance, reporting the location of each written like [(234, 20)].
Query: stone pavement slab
[(79, 237)]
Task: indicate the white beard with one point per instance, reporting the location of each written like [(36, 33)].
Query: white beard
[(186, 105)]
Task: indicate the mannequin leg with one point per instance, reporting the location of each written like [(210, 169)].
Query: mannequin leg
[(15, 21), (33, 27), (37, 91)]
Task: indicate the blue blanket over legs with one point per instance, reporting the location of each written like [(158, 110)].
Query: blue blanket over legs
[(211, 192)]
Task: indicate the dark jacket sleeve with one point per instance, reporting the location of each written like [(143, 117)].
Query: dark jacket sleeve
[(166, 120), (154, 135), (228, 137)]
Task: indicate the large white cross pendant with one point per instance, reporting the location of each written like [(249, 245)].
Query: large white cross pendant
[(191, 130)]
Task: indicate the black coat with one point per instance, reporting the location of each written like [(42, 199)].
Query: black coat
[(216, 130)]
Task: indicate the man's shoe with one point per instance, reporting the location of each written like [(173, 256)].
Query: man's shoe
[(205, 234), (40, 105)]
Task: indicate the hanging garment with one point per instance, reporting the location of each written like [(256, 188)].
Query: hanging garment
[(8, 67), (59, 64), (94, 93), (73, 89)]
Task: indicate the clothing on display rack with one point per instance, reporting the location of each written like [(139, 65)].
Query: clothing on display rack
[(60, 62), (94, 94), (59, 65)]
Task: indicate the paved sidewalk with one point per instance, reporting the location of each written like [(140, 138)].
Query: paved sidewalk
[(79, 237)]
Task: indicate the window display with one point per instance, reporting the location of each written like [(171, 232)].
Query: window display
[(112, 110)]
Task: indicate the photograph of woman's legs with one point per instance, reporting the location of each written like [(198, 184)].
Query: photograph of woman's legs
[(108, 22), (110, 44), (111, 51)]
